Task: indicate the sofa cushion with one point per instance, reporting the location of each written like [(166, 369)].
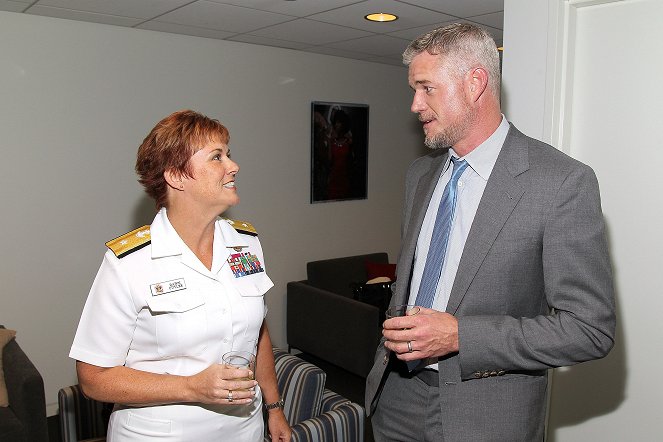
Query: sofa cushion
[(378, 269), (5, 336), (336, 275)]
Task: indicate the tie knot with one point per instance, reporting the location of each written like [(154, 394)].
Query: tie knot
[(459, 168)]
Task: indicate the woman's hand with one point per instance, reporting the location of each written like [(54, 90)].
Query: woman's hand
[(222, 384), (279, 430)]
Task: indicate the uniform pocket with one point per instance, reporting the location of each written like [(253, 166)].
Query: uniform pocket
[(252, 289), (144, 426), (181, 323)]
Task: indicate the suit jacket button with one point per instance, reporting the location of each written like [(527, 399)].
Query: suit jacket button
[(501, 373), (485, 374), (477, 374), (385, 360), (493, 373)]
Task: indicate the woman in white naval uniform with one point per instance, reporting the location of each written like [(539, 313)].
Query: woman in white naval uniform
[(172, 297)]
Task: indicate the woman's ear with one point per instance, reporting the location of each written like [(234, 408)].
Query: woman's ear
[(174, 179)]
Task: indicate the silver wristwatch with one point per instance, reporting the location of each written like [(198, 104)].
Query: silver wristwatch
[(277, 404)]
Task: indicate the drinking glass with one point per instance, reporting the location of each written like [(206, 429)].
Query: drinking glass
[(402, 310), (241, 359)]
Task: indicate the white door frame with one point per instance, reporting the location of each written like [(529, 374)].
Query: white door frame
[(559, 74)]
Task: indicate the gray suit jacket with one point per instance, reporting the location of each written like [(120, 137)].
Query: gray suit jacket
[(533, 290)]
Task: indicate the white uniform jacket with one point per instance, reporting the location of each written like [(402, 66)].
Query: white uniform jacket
[(155, 307)]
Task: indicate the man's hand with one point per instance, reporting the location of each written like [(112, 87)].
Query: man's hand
[(430, 333)]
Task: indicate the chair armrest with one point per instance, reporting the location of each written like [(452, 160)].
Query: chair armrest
[(301, 384), (68, 397), (25, 389), (341, 421), (332, 400), (81, 418), (332, 327)]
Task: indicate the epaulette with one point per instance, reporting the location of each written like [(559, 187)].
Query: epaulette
[(242, 226), (130, 242)]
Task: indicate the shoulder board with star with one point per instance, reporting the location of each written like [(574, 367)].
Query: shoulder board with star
[(242, 226), (130, 242)]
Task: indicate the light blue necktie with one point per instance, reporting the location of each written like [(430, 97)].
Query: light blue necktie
[(440, 237)]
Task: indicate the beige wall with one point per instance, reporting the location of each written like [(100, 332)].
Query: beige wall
[(78, 98)]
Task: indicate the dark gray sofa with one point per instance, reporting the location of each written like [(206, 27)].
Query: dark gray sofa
[(325, 321), (25, 418)]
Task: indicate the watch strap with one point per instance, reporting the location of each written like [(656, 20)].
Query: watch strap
[(278, 404)]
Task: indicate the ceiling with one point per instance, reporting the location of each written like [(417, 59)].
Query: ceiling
[(332, 27)]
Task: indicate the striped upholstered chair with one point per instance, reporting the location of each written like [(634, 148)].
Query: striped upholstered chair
[(82, 419), (315, 413)]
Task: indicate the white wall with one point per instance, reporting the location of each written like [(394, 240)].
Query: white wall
[(524, 65), (597, 108), (77, 100)]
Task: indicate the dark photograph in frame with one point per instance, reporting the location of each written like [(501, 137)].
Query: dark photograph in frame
[(339, 151)]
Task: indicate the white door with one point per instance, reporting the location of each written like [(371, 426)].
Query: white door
[(608, 113)]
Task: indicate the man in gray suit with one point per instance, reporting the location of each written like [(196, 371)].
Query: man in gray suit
[(522, 281)]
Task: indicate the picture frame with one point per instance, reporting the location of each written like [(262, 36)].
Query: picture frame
[(339, 151)]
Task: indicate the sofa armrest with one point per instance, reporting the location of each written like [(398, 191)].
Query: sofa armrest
[(25, 389), (332, 327)]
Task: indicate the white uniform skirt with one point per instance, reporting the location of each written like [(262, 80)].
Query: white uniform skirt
[(187, 422)]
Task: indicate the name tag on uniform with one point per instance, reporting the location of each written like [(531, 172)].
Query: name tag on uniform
[(243, 264), (161, 288)]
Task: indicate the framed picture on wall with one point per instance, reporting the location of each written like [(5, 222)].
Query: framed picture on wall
[(339, 151)]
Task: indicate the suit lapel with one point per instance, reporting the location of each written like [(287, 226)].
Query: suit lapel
[(422, 197), (500, 197)]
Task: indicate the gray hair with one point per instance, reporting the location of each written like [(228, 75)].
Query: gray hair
[(463, 46)]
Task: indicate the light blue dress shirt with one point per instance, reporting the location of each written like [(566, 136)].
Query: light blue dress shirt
[(470, 190)]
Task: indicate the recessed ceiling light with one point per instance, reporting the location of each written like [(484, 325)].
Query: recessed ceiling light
[(381, 17), (501, 48)]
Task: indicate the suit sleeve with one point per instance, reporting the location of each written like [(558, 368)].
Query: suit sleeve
[(579, 324)]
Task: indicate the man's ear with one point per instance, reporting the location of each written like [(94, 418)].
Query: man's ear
[(478, 82), (174, 178)]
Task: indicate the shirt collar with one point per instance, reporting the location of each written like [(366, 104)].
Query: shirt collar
[(483, 158)]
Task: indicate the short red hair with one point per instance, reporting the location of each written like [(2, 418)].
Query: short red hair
[(170, 145)]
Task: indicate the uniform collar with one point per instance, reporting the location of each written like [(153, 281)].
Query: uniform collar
[(166, 241), (231, 237), (226, 241)]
